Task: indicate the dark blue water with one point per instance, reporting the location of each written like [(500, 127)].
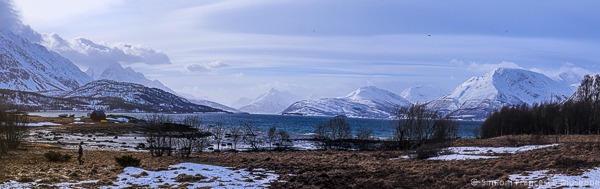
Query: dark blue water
[(306, 124), (294, 124)]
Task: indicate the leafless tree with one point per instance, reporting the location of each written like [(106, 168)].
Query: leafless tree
[(236, 135), (251, 135), (190, 137), (284, 139), (331, 133), (271, 136), (417, 124), (12, 127), (218, 131), (158, 134)]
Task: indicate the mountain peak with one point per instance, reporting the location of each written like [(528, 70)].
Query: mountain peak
[(370, 93), (502, 86), (422, 93), (28, 66), (367, 102), (271, 102)]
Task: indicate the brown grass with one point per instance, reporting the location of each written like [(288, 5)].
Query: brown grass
[(320, 169), (316, 169)]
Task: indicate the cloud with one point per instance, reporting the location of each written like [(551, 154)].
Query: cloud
[(10, 20), (207, 67), (238, 75), (98, 56), (567, 72), (9, 17), (489, 67)]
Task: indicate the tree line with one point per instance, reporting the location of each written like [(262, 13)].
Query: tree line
[(580, 114), (413, 127), (167, 137)]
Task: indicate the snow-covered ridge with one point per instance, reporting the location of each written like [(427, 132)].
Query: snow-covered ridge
[(479, 96), (365, 102), (107, 92), (271, 102), (31, 67), (422, 93), (214, 105)]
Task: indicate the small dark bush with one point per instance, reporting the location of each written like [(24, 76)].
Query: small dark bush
[(54, 156), (25, 180), (189, 178), (128, 161), (427, 151)]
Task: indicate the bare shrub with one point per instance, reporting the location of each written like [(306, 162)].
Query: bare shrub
[(191, 136), (363, 139), (417, 125), (12, 128), (165, 137), (284, 139), (128, 161), (159, 137), (271, 135), (54, 156), (332, 133)]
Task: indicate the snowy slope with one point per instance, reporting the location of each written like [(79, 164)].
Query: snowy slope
[(131, 96), (570, 78), (479, 96), (422, 93), (365, 102), (244, 101), (27, 66), (214, 105), (103, 61), (118, 73), (272, 102)]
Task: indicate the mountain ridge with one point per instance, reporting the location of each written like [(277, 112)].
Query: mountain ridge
[(365, 102), (479, 96)]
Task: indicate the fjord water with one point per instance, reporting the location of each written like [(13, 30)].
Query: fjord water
[(302, 125)]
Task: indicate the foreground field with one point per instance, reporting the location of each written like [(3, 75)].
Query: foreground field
[(321, 169)]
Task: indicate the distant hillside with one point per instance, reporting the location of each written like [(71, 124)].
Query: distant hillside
[(365, 102), (109, 95)]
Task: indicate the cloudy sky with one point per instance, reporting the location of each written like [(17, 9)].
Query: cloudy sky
[(227, 49)]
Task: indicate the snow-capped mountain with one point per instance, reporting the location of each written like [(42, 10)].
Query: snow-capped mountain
[(272, 102), (244, 101), (479, 96), (34, 101), (131, 96), (214, 105), (570, 78), (422, 93), (118, 73), (365, 102), (102, 60), (27, 66)]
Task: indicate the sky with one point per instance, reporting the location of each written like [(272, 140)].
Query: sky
[(227, 49)]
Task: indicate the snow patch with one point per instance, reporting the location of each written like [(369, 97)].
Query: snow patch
[(542, 180), (496, 150), (203, 176), (40, 124), (469, 153), (15, 184), (460, 157)]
